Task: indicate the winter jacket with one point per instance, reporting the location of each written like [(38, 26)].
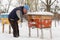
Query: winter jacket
[(16, 13)]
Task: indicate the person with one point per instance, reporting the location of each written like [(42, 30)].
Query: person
[(16, 14)]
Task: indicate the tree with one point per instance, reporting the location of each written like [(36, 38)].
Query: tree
[(20, 2), (29, 2), (36, 4), (33, 4), (1, 10), (9, 5), (48, 4), (6, 6)]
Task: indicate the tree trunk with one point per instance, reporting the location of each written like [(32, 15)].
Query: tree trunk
[(48, 7), (36, 4), (9, 5)]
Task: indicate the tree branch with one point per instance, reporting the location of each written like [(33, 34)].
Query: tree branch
[(43, 2), (52, 2), (9, 5), (47, 2)]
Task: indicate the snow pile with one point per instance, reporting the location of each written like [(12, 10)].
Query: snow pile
[(4, 15), (24, 33), (40, 13)]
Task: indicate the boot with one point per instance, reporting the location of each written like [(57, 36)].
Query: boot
[(16, 34)]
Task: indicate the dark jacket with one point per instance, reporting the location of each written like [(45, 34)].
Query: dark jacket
[(13, 14)]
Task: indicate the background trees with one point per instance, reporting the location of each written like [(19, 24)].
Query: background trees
[(48, 4), (35, 5)]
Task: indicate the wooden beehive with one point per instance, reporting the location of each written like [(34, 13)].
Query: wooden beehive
[(40, 16)]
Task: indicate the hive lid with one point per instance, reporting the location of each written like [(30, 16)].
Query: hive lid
[(40, 13)]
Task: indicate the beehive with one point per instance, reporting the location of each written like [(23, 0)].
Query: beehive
[(40, 19)]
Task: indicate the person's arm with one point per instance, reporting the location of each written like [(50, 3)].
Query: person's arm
[(18, 14)]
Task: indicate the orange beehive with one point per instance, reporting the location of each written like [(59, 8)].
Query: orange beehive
[(39, 21)]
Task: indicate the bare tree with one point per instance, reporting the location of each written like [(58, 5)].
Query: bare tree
[(1, 10), (36, 4), (29, 2), (33, 4), (21, 2), (48, 4), (6, 6), (9, 5)]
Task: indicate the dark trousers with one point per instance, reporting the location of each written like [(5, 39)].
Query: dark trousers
[(14, 25)]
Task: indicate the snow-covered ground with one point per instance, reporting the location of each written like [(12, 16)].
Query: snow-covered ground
[(24, 33)]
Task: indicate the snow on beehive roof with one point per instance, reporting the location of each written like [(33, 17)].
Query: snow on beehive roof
[(40, 13), (4, 13)]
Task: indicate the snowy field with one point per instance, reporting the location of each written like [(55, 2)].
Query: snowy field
[(24, 33)]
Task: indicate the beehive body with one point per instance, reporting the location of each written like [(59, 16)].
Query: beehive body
[(39, 21)]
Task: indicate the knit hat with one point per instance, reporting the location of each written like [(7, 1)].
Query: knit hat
[(26, 7)]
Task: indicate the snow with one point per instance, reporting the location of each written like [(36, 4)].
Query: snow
[(58, 12), (4, 13), (24, 32), (39, 13)]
